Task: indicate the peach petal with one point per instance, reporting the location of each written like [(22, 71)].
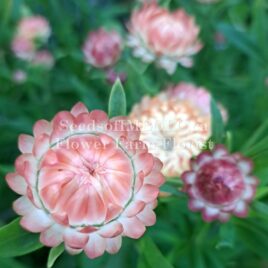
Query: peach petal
[(42, 127), (73, 251), (134, 208), (133, 227), (20, 162), (23, 206), (113, 244), (36, 221), (74, 239), (52, 237), (78, 109), (144, 162), (111, 230), (17, 183), (95, 246), (86, 207), (99, 117), (147, 216), (41, 145), (26, 143), (148, 193), (155, 178)]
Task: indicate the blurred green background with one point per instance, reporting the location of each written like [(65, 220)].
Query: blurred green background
[(233, 65)]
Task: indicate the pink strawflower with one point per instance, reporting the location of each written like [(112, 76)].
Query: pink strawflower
[(33, 28), (220, 184), (85, 180), (175, 125), (102, 48), (23, 48), (19, 76), (43, 58), (167, 38)]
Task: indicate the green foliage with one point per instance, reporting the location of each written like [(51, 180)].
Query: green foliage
[(14, 241), (117, 101), (233, 68), (216, 123), (54, 254)]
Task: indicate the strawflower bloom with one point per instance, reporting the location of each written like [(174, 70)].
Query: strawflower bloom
[(34, 28), (220, 184), (85, 180), (173, 127), (102, 48), (167, 38)]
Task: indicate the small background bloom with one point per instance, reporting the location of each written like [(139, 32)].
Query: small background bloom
[(168, 38)]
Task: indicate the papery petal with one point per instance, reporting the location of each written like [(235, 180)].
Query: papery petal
[(133, 227), (79, 108), (17, 183), (36, 221), (26, 143), (52, 236), (95, 246)]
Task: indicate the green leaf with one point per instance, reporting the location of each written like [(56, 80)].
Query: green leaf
[(7, 263), (241, 40), (217, 123), (54, 253), (117, 101), (257, 136), (14, 241), (226, 237), (152, 255)]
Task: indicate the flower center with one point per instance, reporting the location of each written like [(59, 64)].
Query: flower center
[(86, 181), (220, 182)]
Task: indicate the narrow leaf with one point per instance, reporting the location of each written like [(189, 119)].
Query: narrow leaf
[(241, 40), (117, 101), (217, 123), (54, 255), (152, 255), (14, 241)]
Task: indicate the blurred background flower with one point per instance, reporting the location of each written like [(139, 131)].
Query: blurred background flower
[(102, 48), (168, 38)]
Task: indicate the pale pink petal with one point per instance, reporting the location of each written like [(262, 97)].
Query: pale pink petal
[(147, 216), (36, 221), (95, 246), (52, 236), (196, 204), (113, 244), (23, 206), (41, 145), (241, 209), (79, 108), (144, 162), (73, 251), (133, 227), (210, 213), (42, 127), (110, 230), (26, 143), (75, 239), (148, 193), (17, 183), (134, 208)]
